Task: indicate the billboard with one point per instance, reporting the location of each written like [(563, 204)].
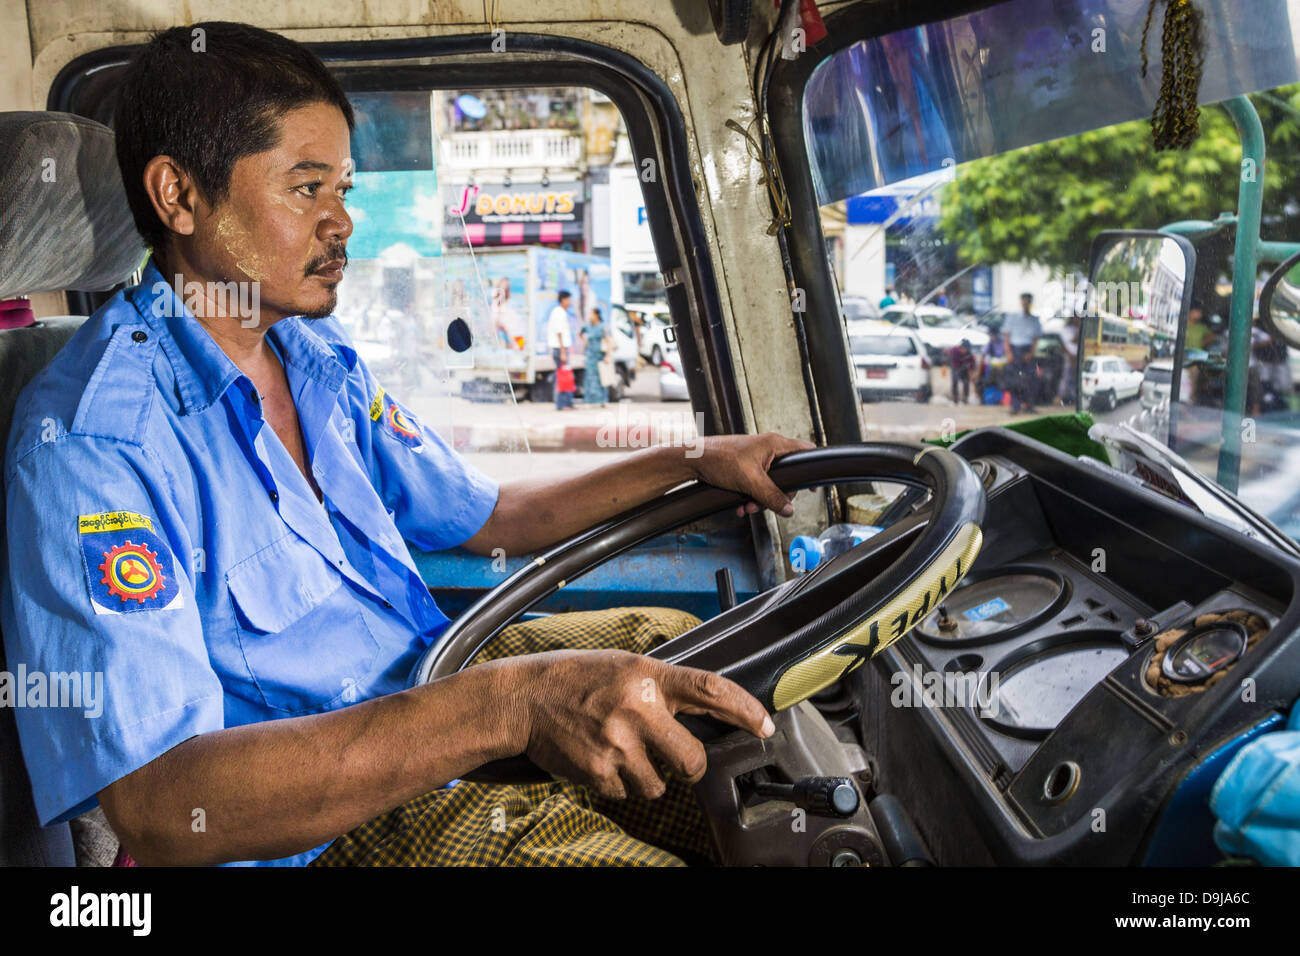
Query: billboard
[(585, 277)]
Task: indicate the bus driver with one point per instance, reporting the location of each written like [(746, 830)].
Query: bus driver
[(214, 511)]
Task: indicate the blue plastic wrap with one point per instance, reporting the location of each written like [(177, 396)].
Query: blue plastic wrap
[(1257, 799), (1022, 72)]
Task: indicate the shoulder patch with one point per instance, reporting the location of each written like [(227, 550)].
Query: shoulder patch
[(396, 421), (128, 567)]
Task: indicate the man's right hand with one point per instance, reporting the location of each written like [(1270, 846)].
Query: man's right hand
[(606, 718)]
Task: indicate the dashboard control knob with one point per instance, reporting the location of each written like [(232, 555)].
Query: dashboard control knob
[(823, 796)]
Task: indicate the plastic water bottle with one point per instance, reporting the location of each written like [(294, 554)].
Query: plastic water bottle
[(806, 552)]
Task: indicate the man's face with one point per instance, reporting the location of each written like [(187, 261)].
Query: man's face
[(1026, 301), (283, 224), (564, 302)]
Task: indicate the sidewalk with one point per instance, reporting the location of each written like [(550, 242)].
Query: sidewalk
[(622, 426), (643, 420)]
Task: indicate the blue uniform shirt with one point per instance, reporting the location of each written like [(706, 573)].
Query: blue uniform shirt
[(1023, 328), (160, 536)]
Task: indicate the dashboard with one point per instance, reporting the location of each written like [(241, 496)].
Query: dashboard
[(1062, 704)]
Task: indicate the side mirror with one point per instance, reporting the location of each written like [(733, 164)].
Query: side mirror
[(1138, 299), (1279, 302)]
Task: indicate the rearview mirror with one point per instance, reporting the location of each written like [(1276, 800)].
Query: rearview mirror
[(1130, 335), (1279, 302)]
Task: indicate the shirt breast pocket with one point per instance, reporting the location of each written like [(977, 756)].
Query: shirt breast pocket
[(306, 643)]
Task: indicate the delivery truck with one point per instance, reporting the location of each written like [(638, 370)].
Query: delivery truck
[(521, 287)]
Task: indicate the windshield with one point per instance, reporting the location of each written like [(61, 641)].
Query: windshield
[(965, 168), (881, 345)]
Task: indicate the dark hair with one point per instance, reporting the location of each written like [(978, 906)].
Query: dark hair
[(209, 108), (563, 294)]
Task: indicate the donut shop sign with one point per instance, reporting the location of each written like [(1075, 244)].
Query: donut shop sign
[(519, 213)]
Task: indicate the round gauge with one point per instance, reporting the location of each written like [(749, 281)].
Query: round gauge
[(988, 608), (1029, 694), (1204, 651)]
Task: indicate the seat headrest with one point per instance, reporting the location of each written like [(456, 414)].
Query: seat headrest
[(65, 223)]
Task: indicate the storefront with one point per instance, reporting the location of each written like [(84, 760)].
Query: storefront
[(520, 214)]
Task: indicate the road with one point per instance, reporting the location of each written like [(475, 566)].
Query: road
[(502, 428)]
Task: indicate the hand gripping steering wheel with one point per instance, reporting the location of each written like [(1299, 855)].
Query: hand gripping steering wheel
[(785, 644)]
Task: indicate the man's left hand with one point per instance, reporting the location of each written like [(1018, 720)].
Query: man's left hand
[(740, 463)]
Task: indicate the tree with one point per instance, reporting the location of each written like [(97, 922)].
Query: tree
[(1044, 203)]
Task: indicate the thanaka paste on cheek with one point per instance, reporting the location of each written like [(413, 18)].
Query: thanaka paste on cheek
[(238, 245), (296, 210)]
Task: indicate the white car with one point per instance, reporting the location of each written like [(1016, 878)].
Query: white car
[(672, 384), (625, 352), (655, 335), (858, 307), (1107, 381), (1157, 380), (940, 328), (889, 362)]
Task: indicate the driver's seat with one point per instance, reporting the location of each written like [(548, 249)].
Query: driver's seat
[(66, 226)]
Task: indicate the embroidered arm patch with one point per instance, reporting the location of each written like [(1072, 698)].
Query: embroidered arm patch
[(396, 421), (128, 566)]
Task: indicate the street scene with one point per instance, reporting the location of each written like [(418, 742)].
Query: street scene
[(507, 291)]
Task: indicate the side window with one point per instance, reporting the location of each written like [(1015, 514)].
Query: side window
[(488, 225)]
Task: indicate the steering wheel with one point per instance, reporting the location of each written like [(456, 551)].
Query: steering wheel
[(790, 642)]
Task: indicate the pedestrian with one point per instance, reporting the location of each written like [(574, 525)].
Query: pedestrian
[(1070, 371), (994, 361), (961, 363), (596, 342), (888, 299), (1021, 333), (1197, 331), (560, 338)]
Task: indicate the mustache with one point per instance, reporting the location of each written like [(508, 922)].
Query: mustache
[(334, 252)]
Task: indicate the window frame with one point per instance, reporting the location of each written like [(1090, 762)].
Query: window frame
[(656, 129)]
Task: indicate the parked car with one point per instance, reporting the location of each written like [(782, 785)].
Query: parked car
[(889, 362), (939, 328), (858, 307), (625, 348), (672, 384), (1108, 380), (656, 331), (1157, 380)]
